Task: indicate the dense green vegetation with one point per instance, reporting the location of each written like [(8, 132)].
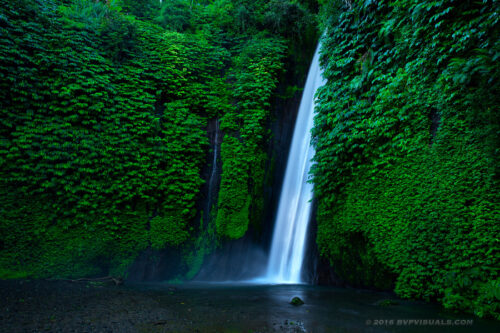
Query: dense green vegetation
[(104, 110), (105, 107), (407, 148)]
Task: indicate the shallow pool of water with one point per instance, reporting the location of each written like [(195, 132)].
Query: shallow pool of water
[(267, 308), (63, 306)]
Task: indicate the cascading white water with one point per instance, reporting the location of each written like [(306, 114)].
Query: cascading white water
[(294, 210)]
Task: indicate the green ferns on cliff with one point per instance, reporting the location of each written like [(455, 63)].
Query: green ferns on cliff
[(102, 125), (241, 192), (104, 107), (407, 149)]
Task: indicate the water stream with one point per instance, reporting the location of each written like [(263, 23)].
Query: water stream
[(294, 209)]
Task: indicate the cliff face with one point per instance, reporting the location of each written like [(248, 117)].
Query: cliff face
[(406, 139), (106, 160), (247, 257)]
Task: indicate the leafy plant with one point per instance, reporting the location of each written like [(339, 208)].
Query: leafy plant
[(406, 148)]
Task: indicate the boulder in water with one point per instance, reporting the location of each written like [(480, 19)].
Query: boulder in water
[(296, 301)]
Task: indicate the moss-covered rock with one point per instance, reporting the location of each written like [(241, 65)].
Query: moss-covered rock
[(296, 301)]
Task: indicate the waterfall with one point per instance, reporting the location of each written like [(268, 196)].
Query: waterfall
[(294, 209)]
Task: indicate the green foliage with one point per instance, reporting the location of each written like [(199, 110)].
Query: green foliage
[(167, 230), (175, 15), (104, 107), (289, 18), (243, 158), (103, 122), (143, 9), (407, 149)]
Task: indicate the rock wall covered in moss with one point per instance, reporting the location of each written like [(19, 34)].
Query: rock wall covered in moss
[(104, 111), (407, 149)]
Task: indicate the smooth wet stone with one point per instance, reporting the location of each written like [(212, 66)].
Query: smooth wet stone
[(296, 301)]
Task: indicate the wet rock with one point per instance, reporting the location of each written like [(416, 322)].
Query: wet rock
[(296, 301)]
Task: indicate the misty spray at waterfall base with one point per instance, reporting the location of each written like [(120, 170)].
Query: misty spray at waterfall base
[(241, 260)]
